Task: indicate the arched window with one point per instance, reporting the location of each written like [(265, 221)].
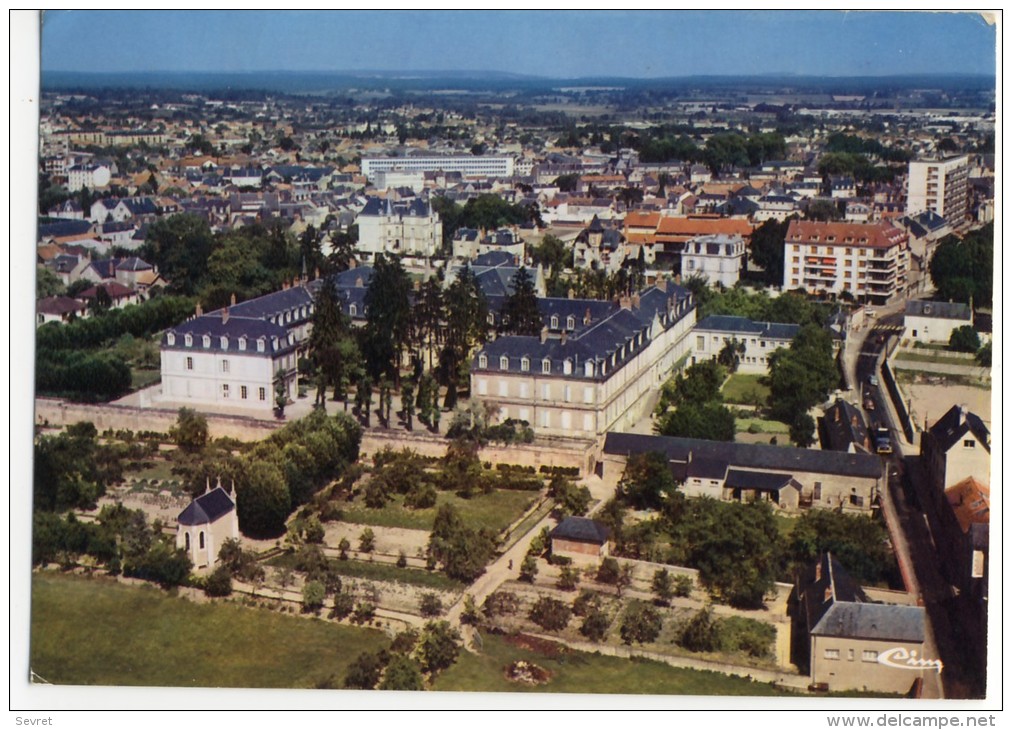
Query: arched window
[(555, 321), (200, 540), (567, 366), (261, 345), (588, 369), (491, 318), (242, 343), (186, 537), (189, 340), (504, 363), (207, 340), (525, 363), (170, 338), (482, 361), (570, 322), (224, 343), (546, 366)]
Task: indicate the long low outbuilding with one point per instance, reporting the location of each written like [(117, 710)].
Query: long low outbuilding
[(788, 477)]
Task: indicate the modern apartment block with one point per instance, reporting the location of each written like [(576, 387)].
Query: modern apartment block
[(942, 186), (869, 260), (467, 165)]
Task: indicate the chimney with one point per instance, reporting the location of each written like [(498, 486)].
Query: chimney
[(571, 293), (200, 310), (836, 415), (358, 282), (564, 337), (284, 286), (962, 413), (853, 420), (544, 335), (232, 493), (625, 302), (316, 273), (233, 299), (586, 316), (207, 485), (636, 300), (418, 285), (224, 315), (352, 263)]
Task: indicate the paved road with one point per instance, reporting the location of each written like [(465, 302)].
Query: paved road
[(909, 528)]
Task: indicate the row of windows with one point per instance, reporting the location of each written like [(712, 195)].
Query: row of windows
[(223, 341), (226, 392), (868, 655), (545, 419), (523, 391), (299, 312)]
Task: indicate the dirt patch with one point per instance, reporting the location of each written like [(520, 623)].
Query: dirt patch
[(932, 401), (544, 647)]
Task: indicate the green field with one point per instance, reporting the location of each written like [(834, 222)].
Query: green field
[(760, 425), (746, 389), (96, 631), (494, 511), (380, 571), (574, 671)]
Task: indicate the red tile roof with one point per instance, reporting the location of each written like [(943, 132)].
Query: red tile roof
[(879, 235)]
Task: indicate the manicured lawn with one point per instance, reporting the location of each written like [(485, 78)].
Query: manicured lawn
[(160, 469), (745, 388), (96, 631), (494, 511), (574, 671), (381, 572), (143, 378), (760, 425)]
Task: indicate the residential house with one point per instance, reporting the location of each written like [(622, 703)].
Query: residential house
[(412, 228), (842, 428), (956, 447), (59, 309), (846, 641), (927, 321), (718, 258)]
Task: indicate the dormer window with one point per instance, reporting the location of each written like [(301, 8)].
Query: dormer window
[(504, 363), (261, 345), (353, 310), (491, 318), (482, 361), (224, 343), (189, 340), (546, 366), (242, 343), (170, 338), (274, 342), (525, 364), (206, 339), (567, 367), (555, 321), (570, 322), (588, 369)]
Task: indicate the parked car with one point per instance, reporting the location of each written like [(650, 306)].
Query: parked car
[(873, 381)]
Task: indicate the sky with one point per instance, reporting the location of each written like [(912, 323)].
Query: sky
[(560, 44)]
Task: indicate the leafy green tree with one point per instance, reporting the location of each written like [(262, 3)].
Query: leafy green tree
[(550, 614), (570, 499), (47, 284), (388, 318), (402, 674), (364, 672), (281, 398), (823, 210), (344, 604), (608, 572), (595, 626), (219, 583), (963, 270), (964, 339), (529, 568), (683, 586), (803, 375), (647, 481), (700, 633), (520, 313), (802, 430), (463, 551), (430, 605), (662, 586), (641, 624), (766, 249), (180, 246), (569, 578), (712, 421), (408, 403), (552, 253), (730, 354), (190, 432), (984, 356), (725, 151), (438, 646), (367, 541), (333, 350), (858, 542), (263, 500)]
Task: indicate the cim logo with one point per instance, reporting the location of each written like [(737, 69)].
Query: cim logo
[(900, 658)]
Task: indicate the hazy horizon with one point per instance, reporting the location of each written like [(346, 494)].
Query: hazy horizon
[(557, 44)]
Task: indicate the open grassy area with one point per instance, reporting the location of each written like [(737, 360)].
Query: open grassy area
[(143, 378), (96, 631), (574, 671), (494, 511), (759, 425), (160, 469), (907, 356), (745, 388), (381, 572)]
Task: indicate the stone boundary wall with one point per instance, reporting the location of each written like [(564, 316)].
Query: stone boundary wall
[(543, 452)]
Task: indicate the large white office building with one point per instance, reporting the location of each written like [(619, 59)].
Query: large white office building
[(467, 165)]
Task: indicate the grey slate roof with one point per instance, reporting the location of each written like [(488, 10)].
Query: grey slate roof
[(939, 310), (207, 508), (838, 607), (381, 207), (234, 329), (493, 258), (751, 456), (581, 529), (69, 227), (742, 325), (951, 427), (844, 425), (760, 480)]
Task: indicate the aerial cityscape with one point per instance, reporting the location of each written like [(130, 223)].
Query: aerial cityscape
[(393, 356)]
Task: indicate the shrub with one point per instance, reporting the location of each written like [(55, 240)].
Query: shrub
[(343, 606), (367, 541), (501, 603), (313, 594), (641, 624), (219, 583), (569, 578), (586, 602), (609, 572), (683, 586), (364, 613), (595, 625), (430, 605), (550, 614)]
